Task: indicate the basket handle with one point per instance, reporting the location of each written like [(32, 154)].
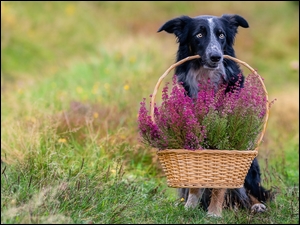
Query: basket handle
[(225, 56)]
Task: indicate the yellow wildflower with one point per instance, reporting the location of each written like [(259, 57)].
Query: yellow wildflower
[(70, 9), (95, 115), (79, 90), (31, 119), (132, 59), (126, 87), (62, 140), (95, 88)]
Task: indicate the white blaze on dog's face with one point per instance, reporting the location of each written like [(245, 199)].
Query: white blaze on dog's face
[(214, 49)]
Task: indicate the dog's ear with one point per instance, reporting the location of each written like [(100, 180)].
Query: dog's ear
[(233, 21), (176, 26)]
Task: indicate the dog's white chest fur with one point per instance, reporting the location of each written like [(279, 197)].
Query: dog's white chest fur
[(202, 75)]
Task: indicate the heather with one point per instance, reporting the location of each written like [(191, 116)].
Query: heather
[(222, 120)]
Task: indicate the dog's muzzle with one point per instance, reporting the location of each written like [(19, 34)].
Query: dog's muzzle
[(213, 61)]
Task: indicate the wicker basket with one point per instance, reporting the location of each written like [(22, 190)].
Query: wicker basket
[(207, 168)]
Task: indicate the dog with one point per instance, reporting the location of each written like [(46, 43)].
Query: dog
[(211, 37)]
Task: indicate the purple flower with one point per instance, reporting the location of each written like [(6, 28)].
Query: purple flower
[(216, 120)]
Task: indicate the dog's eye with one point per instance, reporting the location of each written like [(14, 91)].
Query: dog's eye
[(221, 36), (199, 35)]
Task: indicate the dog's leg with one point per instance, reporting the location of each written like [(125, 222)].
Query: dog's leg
[(256, 205), (256, 192), (193, 197), (216, 202)]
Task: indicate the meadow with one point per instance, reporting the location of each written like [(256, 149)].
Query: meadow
[(73, 75)]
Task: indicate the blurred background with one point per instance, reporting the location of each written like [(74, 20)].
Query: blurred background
[(74, 73)]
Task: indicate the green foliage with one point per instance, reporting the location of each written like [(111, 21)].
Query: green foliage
[(232, 132), (243, 134), (217, 131), (109, 195)]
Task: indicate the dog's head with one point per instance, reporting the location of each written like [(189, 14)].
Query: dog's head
[(207, 36)]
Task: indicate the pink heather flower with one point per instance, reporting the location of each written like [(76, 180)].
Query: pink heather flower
[(219, 120)]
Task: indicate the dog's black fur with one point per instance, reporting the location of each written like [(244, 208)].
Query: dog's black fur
[(211, 37)]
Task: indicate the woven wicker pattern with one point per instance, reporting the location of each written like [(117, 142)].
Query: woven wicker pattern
[(207, 168)]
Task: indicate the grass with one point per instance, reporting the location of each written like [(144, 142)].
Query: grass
[(72, 77)]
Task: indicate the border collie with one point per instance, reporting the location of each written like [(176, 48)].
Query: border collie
[(211, 37)]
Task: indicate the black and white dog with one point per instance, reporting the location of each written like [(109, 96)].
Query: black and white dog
[(211, 37)]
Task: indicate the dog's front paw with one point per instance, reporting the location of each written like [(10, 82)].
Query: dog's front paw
[(191, 204), (259, 207), (192, 201), (214, 214)]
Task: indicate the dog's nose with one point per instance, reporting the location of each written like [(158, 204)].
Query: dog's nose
[(215, 58)]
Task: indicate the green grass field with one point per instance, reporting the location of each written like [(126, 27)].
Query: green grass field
[(73, 75)]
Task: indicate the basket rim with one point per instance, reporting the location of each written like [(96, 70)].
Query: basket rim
[(206, 151)]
